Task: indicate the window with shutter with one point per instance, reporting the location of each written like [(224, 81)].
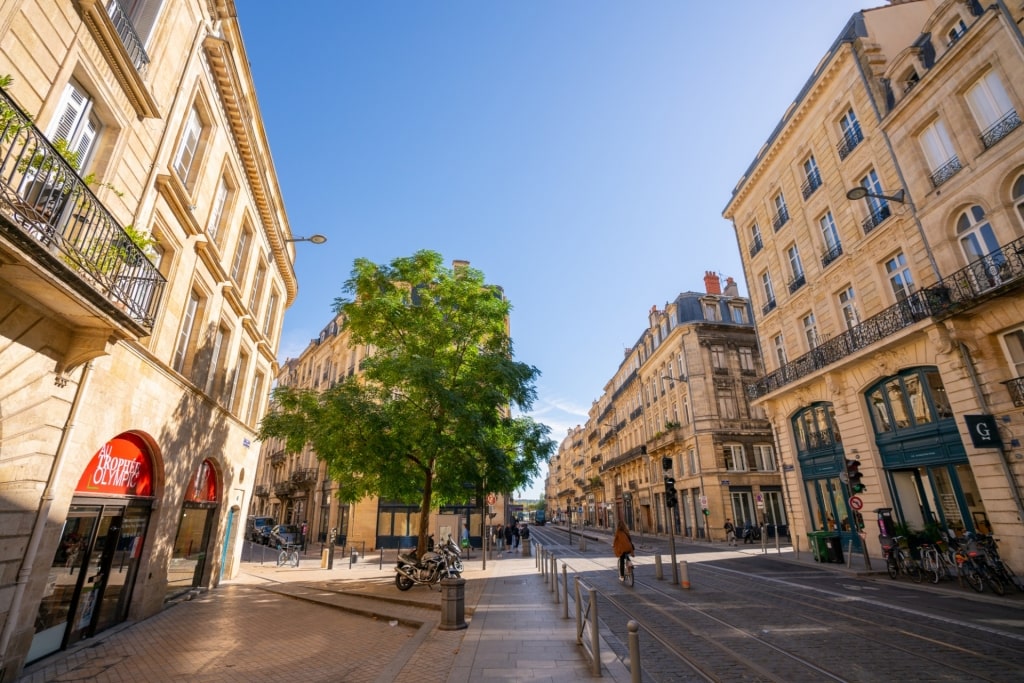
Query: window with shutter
[(76, 124)]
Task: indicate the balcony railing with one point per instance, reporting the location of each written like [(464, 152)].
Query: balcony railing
[(305, 477), (126, 32), (946, 171), (1016, 388), (768, 307), (1000, 129), (812, 183), (756, 245), (831, 255), (49, 207), (851, 139), (261, 490), (986, 278), (780, 218), (797, 282), (876, 217), (277, 458), (283, 489)]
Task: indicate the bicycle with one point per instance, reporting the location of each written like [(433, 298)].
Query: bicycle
[(934, 562), (997, 564), (289, 555), (628, 576), (896, 550)]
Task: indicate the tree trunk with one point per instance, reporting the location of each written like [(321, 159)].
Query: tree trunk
[(428, 490)]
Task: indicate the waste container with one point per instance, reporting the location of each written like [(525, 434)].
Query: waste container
[(834, 548), (816, 539)]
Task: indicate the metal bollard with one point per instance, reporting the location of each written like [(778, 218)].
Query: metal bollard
[(554, 573), (555, 582), (634, 651), (583, 542), (849, 554), (565, 589), (657, 568), (453, 604), (796, 545), (684, 575)]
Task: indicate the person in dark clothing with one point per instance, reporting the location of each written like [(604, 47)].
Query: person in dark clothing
[(515, 536), (508, 536)]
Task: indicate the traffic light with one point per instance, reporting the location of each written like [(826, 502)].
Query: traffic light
[(670, 492), (854, 476)]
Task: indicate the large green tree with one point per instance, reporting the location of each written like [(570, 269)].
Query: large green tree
[(432, 416)]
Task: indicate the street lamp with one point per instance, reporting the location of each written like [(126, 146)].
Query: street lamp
[(860, 192), (315, 239)]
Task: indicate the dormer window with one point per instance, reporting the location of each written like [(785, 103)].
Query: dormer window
[(956, 32), (909, 80)]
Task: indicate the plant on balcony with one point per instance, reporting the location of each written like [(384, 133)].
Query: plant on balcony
[(672, 425)]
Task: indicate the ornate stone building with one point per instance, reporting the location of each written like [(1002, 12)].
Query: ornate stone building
[(145, 267), (881, 233), (678, 398)]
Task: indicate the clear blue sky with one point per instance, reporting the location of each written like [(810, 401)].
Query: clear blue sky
[(579, 153)]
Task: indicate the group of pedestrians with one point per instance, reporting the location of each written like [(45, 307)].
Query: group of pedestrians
[(508, 536)]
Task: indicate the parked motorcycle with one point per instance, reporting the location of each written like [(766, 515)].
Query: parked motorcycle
[(445, 561), (750, 534)]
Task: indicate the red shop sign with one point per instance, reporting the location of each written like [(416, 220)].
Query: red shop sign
[(120, 468)]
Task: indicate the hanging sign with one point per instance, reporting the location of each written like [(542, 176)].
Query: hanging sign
[(983, 430)]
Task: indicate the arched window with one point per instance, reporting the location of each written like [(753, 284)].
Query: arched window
[(912, 399), (978, 242), (815, 428), (1018, 196)]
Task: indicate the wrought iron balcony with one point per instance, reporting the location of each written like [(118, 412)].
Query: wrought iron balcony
[(129, 38), (946, 171), (768, 307), (876, 217), (797, 282), (993, 275), (851, 139), (277, 458), (756, 245), (261, 490), (780, 218), (831, 255), (812, 183), (283, 489), (51, 213), (305, 477), (1000, 129), (1016, 389)]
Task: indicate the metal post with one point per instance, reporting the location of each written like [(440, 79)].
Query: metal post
[(849, 554), (554, 572), (595, 636), (565, 588), (796, 545), (864, 547), (579, 611), (684, 575), (555, 582), (778, 550), (635, 672), (672, 545), (657, 568)]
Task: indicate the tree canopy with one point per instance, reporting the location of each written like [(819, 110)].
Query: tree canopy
[(429, 419)]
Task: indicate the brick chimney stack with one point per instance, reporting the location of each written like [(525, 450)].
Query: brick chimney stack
[(712, 283)]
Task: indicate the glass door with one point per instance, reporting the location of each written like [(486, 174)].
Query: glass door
[(95, 571)]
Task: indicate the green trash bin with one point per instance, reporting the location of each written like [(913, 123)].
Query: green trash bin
[(819, 549)]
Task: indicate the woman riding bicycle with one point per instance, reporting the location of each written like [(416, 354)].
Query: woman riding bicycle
[(622, 546)]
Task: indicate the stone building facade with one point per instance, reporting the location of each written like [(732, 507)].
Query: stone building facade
[(145, 268), (678, 398), (880, 229)]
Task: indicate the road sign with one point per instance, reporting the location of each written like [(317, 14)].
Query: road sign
[(703, 501), (856, 503), (491, 499), (760, 502)]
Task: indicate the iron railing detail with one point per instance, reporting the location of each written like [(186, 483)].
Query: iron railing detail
[(831, 255), (876, 217), (129, 38), (768, 307), (305, 476), (797, 282), (849, 142), (261, 490), (1016, 388), (985, 278), (812, 183), (946, 171), (277, 459), (1000, 129), (756, 245), (46, 201), (780, 218)]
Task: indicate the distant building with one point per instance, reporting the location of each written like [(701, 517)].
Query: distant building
[(677, 398), (881, 230)]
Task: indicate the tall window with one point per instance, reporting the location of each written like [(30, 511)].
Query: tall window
[(257, 287), (1018, 197), (830, 234), (766, 284), (877, 206), (810, 330), (252, 413), (241, 251), (746, 359), (188, 148), (735, 459), (938, 150), (849, 128), (76, 124), (781, 211), (738, 314), (898, 272), (691, 459), (780, 349), (755, 239), (710, 310), (238, 376), (795, 265), (270, 315), (1014, 343), (848, 306), (718, 357), (220, 199), (214, 370), (978, 242), (992, 109), (727, 406), (185, 332), (812, 177), (765, 458)]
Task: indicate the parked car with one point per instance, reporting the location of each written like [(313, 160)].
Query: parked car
[(285, 534), (257, 529)]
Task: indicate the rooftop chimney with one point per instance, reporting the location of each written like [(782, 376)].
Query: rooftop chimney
[(712, 283), (731, 288)]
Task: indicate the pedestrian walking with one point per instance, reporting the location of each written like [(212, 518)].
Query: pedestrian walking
[(622, 546), (515, 536), (508, 536), (730, 532)]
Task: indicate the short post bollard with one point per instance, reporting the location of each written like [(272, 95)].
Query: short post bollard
[(634, 650), (684, 575), (565, 591), (453, 604), (796, 545), (554, 573), (657, 568), (583, 542), (555, 582)]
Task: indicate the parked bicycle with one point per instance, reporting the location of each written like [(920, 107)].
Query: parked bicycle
[(1002, 570), (289, 555), (936, 563), (898, 560)]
